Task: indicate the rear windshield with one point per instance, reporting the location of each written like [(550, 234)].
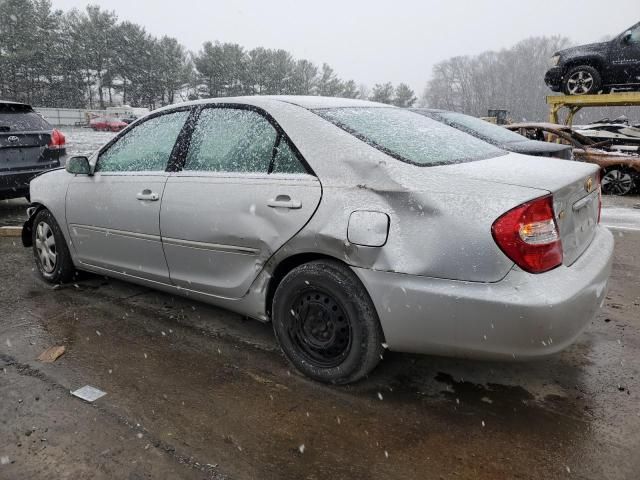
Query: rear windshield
[(409, 136), (22, 122), (480, 127)]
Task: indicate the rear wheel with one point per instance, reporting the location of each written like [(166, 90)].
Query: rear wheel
[(617, 181), (326, 323), (50, 249), (582, 80)]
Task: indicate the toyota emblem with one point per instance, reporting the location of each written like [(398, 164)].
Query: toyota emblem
[(12, 139)]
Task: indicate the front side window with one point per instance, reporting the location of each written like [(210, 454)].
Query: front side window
[(146, 148), (231, 140), (409, 136), (635, 34)]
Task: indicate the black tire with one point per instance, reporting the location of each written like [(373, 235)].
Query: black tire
[(47, 239), (618, 180), (581, 80), (326, 324)]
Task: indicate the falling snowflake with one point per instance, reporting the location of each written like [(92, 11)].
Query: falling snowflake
[(380, 395), (301, 448)]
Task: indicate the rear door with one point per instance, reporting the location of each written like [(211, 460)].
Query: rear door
[(24, 136), (114, 215), (242, 194)]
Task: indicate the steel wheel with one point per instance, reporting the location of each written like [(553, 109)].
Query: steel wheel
[(580, 83), (617, 181), (46, 247), (320, 328)]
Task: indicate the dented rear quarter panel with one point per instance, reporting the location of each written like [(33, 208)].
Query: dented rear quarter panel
[(440, 222)]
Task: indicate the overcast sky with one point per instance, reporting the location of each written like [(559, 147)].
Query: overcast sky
[(373, 41)]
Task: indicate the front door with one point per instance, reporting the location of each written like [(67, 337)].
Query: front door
[(114, 215), (625, 58), (242, 194)]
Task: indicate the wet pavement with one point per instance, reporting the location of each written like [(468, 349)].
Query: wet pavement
[(198, 392)]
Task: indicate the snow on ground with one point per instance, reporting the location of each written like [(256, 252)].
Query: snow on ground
[(84, 141)]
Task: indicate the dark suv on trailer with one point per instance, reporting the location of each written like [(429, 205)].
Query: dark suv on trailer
[(596, 67), (28, 146)]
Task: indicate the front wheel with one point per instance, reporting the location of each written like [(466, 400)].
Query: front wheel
[(50, 249), (326, 323), (582, 80), (617, 181)]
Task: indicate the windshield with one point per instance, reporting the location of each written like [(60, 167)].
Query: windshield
[(408, 136), (479, 127)]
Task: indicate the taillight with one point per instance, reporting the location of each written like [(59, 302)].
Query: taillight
[(528, 235), (57, 141)]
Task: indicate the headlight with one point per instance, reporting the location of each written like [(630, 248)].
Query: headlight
[(554, 60)]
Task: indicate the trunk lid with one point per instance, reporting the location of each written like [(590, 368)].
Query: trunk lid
[(574, 186), (23, 151)]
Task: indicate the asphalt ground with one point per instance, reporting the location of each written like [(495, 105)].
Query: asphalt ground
[(198, 392)]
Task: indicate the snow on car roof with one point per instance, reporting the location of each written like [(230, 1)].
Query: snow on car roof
[(307, 102)]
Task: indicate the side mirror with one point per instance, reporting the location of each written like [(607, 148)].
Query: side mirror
[(626, 37), (78, 166)]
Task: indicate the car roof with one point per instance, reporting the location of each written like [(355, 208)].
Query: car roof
[(431, 110), (307, 102)]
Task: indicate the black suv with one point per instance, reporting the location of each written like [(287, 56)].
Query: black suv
[(28, 146), (598, 67)]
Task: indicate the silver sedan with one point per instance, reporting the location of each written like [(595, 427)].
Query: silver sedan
[(352, 226)]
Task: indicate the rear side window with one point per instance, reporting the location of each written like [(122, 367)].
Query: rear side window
[(231, 140), (286, 160), (409, 136), (22, 122)]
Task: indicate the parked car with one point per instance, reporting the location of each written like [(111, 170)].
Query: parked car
[(129, 120), (618, 133), (589, 69), (620, 170), (496, 135), (353, 226), (28, 147), (107, 124)]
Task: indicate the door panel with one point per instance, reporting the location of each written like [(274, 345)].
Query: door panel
[(219, 229), (114, 215), (625, 59), (111, 228)]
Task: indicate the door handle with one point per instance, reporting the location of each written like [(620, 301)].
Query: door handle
[(148, 195), (284, 201)]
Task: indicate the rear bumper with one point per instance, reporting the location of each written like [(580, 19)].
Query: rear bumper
[(553, 78), (15, 184), (522, 316)]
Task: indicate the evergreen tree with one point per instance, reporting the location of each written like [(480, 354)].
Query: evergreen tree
[(382, 92), (404, 96)]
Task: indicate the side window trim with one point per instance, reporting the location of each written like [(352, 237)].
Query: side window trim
[(274, 153), (181, 158), (151, 116)]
